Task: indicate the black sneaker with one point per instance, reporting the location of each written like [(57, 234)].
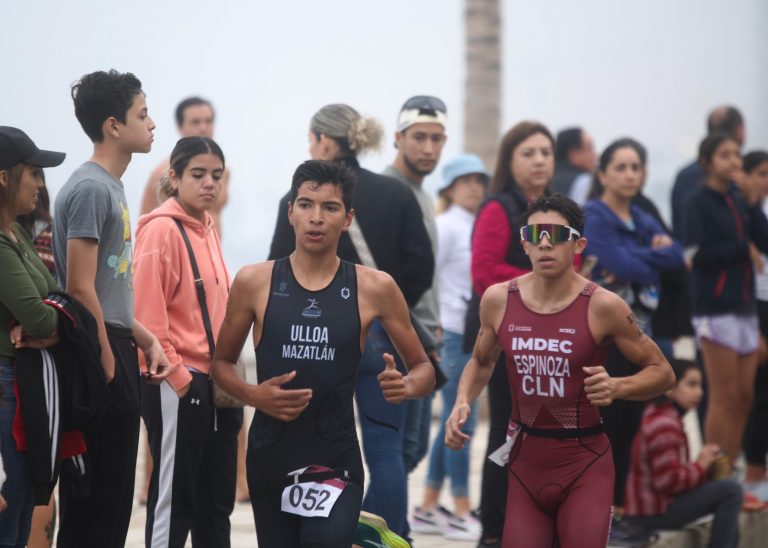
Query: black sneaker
[(625, 533)]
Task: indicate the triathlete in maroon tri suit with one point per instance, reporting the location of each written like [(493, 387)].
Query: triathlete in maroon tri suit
[(560, 464), (554, 327)]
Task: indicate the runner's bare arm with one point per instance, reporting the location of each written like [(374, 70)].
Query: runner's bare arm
[(243, 311), (610, 318), (480, 366), (223, 198), (379, 292), (149, 199)]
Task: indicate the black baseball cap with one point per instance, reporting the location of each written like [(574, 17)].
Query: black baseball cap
[(16, 147)]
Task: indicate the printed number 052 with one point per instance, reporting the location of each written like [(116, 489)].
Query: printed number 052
[(311, 501)]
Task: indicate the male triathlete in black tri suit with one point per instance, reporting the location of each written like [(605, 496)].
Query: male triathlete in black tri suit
[(310, 313), (553, 326)]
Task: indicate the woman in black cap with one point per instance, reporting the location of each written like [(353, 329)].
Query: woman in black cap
[(24, 282)]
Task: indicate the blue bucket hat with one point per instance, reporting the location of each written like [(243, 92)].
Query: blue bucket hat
[(466, 164)]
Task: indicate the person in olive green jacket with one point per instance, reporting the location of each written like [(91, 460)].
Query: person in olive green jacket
[(24, 320)]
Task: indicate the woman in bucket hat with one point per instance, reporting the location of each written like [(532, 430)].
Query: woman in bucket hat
[(465, 183)]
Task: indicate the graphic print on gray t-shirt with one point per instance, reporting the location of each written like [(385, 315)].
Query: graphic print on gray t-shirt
[(92, 204)]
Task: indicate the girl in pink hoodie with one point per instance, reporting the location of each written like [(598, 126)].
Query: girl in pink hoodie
[(193, 445)]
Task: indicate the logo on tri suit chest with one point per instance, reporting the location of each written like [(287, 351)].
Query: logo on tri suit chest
[(524, 328), (281, 290), (312, 311), (345, 293)]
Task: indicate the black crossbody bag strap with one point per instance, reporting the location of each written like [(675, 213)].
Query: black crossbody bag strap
[(200, 289)]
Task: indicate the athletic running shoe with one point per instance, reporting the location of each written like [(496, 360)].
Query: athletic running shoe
[(624, 533), (466, 528), (373, 532), (430, 523), (757, 488), (752, 503)]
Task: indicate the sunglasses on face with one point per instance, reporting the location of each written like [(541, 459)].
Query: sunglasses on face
[(425, 103), (556, 234)]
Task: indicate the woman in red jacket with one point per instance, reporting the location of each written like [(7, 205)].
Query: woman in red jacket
[(523, 171)]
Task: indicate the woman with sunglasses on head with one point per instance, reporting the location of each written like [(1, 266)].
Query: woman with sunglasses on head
[(724, 234), (631, 249), (554, 327), (193, 444), (24, 282), (523, 171)]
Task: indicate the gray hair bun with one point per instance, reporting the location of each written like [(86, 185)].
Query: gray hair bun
[(343, 123)]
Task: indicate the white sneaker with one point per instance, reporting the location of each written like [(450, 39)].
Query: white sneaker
[(434, 522), (466, 528), (757, 488)]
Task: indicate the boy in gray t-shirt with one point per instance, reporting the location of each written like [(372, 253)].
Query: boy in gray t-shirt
[(92, 247), (92, 205)]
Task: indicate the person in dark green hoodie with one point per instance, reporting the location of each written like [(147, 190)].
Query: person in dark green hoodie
[(24, 319)]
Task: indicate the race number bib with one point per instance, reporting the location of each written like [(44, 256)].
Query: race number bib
[(501, 455), (311, 499)]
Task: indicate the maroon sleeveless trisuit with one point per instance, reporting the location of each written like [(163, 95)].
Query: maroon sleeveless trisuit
[(561, 471)]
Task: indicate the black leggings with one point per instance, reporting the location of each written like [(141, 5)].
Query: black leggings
[(621, 421), (281, 529), (493, 492), (756, 433)]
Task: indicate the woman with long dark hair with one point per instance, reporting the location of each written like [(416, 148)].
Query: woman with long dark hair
[(523, 171), (755, 184), (632, 249), (24, 282), (39, 227), (193, 444), (724, 235)]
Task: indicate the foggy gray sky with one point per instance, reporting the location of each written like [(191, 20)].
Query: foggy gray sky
[(650, 70)]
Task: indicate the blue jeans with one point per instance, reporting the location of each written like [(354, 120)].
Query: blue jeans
[(666, 345), (18, 492), (443, 461), (382, 425), (418, 419), (722, 498)]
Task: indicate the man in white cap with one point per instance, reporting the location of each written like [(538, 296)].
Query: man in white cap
[(419, 140)]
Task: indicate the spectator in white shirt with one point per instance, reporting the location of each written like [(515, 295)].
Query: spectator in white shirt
[(466, 180)]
